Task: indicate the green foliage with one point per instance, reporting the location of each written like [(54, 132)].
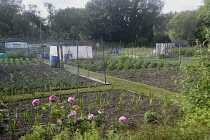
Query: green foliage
[(124, 58), (150, 116), (161, 56), (196, 117), (195, 123), (111, 64), (160, 28), (202, 15), (67, 22), (21, 56), (185, 51), (196, 85), (41, 132), (182, 26), (4, 118), (138, 63), (99, 65), (129, 26)]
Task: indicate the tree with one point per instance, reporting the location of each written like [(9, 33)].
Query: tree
[(122, 20), (9, 9), (183, 26), (160, 28), (68, 23), (203, 19), (36, 23)]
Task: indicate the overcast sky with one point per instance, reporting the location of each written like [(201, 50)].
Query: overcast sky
[(170, 5)]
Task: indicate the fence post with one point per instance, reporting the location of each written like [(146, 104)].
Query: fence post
[(104, 61)]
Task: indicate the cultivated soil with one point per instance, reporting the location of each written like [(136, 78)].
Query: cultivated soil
[(39, 76), (111, 99), (111, 103), (163, 78)]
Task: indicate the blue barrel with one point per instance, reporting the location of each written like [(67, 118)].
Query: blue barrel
[(169, 54), (53, 61), (46, 55), (116, 51)]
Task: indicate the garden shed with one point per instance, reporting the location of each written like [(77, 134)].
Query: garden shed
[(16, 45), (163, 48)]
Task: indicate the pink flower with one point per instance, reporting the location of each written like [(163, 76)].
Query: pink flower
[(100, 111), (52, 98), (77, 121), (91, 117), (71, 100), (36, 102), (122, 119), (73, 113), (75, 106)]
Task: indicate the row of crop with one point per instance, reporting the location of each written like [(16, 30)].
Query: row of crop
[(121, 63), (20, 76), (21, 55)]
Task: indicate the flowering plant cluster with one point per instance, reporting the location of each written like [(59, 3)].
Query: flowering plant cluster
[(66, 113)]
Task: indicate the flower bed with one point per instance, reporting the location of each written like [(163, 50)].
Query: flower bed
[(108, 109)]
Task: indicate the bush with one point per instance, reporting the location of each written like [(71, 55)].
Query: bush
[(124, 58), (185, 51), (196, 85)]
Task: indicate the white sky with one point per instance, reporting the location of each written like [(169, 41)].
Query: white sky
[(170, 5)]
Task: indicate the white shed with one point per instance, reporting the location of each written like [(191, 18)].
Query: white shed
[(163, 48), (71, 51)]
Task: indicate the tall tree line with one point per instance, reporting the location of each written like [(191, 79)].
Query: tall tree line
[(125, 21)]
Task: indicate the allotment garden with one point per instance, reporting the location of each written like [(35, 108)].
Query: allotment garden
[(144, 99)]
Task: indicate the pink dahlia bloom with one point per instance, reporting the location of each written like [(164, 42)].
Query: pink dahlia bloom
[(71, 100), (91, 117), (77, 121), (73, 113), (75, 106), (52, 98), (36, 102), (122, 119)]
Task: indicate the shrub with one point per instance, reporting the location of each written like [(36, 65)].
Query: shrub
[(196, 85), (185, 51), (124, 58)]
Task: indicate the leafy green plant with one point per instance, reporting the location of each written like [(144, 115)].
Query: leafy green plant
[(28, 115), (4, 117), (150, 116), (138, 64), (195, 86), (111, 64), (13, 123)]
